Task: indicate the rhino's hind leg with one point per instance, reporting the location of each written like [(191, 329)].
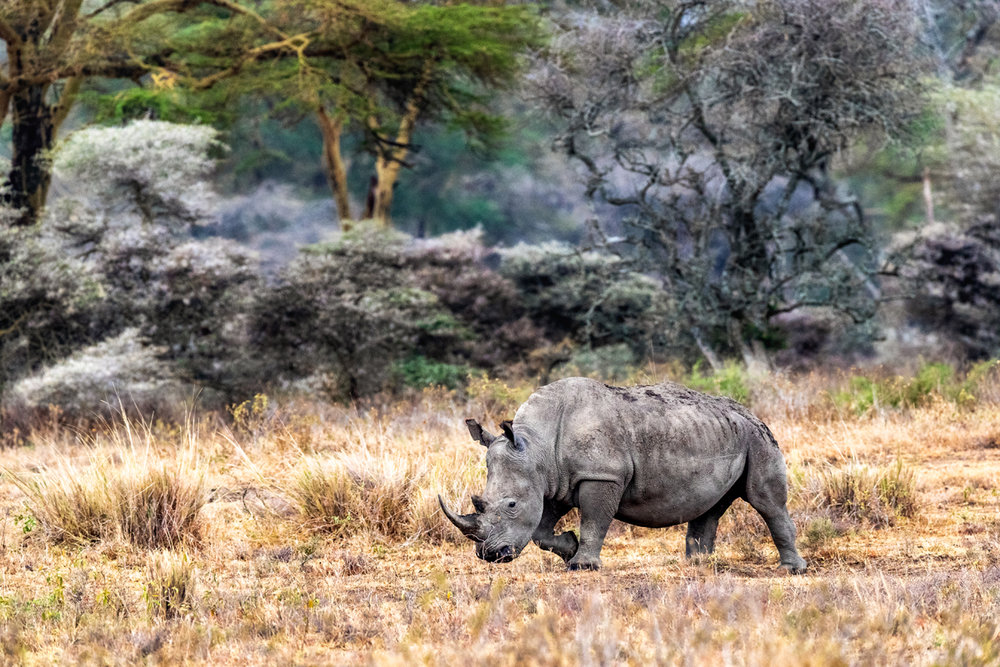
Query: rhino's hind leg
[(563, 545), (701, 531), (767, 492), (598, 502)]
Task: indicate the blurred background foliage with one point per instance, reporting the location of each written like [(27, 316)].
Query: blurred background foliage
[(355, 197)]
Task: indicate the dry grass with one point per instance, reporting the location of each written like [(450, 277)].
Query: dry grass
[(122, 490), (170, 587), (310, 534), (877, 496)]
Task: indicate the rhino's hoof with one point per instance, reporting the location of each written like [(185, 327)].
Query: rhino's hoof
[(795, 568), (573, 566)]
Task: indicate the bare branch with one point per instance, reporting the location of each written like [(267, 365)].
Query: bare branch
[(9, 35)]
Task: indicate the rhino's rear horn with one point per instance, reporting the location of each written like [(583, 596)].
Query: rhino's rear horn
[(467, 523)]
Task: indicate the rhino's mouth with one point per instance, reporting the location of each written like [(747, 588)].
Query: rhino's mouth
[(504, 554), (500, 554)]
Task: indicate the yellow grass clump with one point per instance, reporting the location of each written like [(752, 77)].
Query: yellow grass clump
[(876, 495), (122, 490), (170, 586)]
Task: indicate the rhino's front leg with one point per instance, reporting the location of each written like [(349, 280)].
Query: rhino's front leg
[(598, 502), (563, 545)]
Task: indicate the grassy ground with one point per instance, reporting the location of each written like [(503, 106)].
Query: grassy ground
[(308, 534)]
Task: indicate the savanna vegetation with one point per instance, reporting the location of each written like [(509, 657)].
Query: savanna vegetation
[(305, 532), (259, 259)]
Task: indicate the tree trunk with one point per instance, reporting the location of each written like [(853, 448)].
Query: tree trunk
[(392, 155), (336, 170), (928, 196), (383, 185), (33, 134), (706, 350)]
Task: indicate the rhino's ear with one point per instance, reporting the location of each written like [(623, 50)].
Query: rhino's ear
[(508, 430), (507, 426), (478, 434)]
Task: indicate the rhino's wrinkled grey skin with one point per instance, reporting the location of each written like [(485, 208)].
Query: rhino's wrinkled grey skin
[(651, 456)]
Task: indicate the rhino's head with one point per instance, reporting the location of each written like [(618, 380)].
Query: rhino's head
[(511, 506)]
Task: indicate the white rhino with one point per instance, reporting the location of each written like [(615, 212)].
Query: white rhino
[(652, 456)]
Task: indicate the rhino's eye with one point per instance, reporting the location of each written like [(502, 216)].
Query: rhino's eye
[(512, 503)]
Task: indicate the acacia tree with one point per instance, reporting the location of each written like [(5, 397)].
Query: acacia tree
[(51, 49), (714, 126), (381, 69), (377, 66)]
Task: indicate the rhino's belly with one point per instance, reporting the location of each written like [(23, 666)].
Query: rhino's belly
[(679, 494)]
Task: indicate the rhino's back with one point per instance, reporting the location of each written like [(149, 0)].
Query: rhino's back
[(659, 441), (646, 416)]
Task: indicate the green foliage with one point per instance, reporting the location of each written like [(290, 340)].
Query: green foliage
[(453, 184), (964, 155), (982, 381), (611, 363), (380, 69), (713, 32), (26, 521), (141, 103), (731, 380), (819, 532), (865, 394), (418, 371)]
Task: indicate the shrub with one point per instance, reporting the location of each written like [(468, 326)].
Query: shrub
[(591, 297), (982, 381), (45, 298), (418, 371), (454, 268), (347, 308), (952, 274), (876, 496), (611, 362), (497, 397), (731, 380), (933, 380), (135, 196), (122, 371)]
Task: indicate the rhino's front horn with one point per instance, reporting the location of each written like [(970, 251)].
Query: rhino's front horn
[(467, 523)]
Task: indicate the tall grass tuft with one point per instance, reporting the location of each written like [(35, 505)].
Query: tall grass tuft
[(876, 496), (348, 493), (158, 509), (123, 492), (326, 497), (169, 590)]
